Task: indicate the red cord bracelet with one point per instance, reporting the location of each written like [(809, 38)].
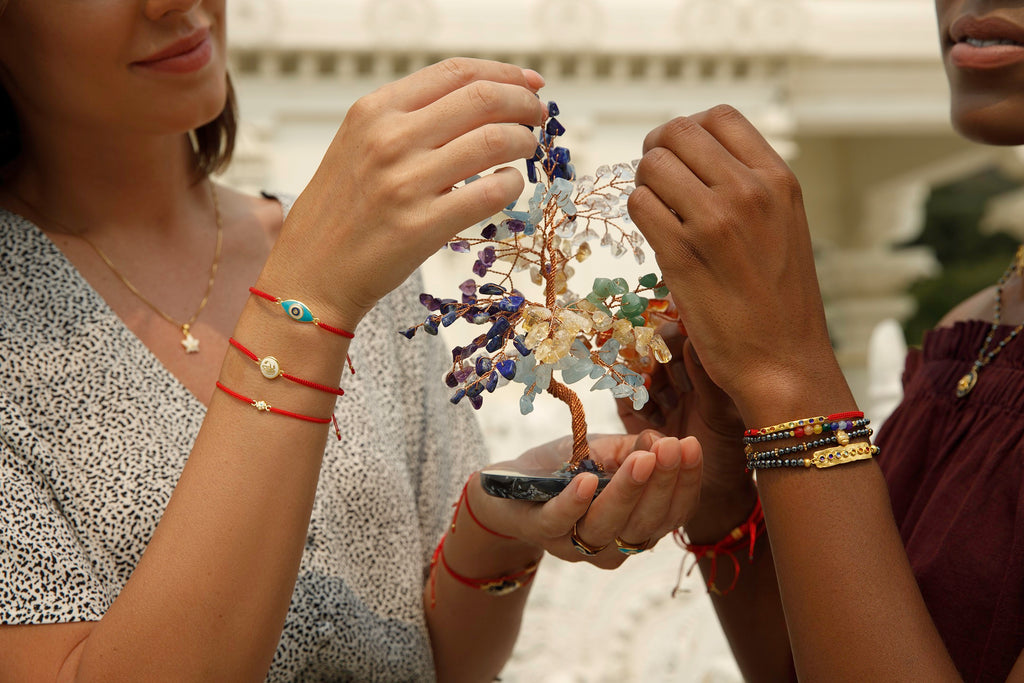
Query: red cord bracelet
[(497, 586), (733, 541), (265, 407), (465, 497), (271, 369), (299, 312)]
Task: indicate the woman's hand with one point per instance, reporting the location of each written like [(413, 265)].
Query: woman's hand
[(384, 197), (654, 489), (725, 217)]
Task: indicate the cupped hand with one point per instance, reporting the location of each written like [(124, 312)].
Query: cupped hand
[(654, 489), (685, 402), (384, 199), (725, 216)]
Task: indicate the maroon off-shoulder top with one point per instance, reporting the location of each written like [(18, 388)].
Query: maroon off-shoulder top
[(955, 469)]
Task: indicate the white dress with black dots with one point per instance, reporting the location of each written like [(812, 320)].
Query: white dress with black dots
[(94, 433)]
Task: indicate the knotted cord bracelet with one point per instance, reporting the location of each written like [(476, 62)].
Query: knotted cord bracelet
[(497, 586), (271, 369), (265, 407), (728, 546)]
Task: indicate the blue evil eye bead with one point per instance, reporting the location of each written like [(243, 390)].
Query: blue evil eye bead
[(297, 311)]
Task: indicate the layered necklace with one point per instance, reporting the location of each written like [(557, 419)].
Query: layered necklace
[(985, 355)]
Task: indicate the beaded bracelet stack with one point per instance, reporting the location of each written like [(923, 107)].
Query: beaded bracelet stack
[(832, 447), (270, 367)]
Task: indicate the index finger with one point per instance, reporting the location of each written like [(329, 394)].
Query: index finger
[(433, 82)]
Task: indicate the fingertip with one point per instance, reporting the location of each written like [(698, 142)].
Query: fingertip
[(642, 466), (586, 486), (669, 452), (691, 453), (533, 79)]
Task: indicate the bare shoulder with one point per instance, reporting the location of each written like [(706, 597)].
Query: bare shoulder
[(252, 212), (980, 306)]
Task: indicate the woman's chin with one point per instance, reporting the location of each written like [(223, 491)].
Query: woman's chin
[(998, 123)]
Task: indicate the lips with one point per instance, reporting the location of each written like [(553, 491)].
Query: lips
[(185, 54), (985, 43)]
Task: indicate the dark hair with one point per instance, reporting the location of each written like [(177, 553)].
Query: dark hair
[(213, 142)]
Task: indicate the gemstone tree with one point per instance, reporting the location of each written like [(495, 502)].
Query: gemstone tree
[(608, 335)]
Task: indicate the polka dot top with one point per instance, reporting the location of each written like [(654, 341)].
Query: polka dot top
[(94, 433)]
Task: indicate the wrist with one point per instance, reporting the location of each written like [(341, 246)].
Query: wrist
[(720, 511)]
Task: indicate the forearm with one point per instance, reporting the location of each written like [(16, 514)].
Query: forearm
[(209, 597), (853, 607), (471, 631)]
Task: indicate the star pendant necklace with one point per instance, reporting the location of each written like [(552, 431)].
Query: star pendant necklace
[(189, 343), (967, 382)]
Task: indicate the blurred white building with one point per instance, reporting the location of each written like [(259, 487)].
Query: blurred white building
[(850, 92)]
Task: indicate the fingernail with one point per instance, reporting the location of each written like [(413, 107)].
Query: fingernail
[(643, 467), (691, 454), (680, 378), (584, 493), (533, 77)]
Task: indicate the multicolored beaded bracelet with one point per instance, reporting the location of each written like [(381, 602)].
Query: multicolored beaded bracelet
[(270, 368), (802, 425), (826, 457), (797, 433)]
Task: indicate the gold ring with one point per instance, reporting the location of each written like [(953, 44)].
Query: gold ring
[(631, 548), (583, 548)]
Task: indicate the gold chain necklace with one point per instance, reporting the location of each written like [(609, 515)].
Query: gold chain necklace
[(189, 343), (967, 382)]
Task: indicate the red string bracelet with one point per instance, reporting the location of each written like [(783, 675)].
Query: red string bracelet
[(271, 369), (300, 312), (497, 586), (465, 497), (265, 407), (728, 546)]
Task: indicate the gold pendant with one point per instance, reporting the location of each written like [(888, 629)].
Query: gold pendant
[(966, 383), (189, 343)]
